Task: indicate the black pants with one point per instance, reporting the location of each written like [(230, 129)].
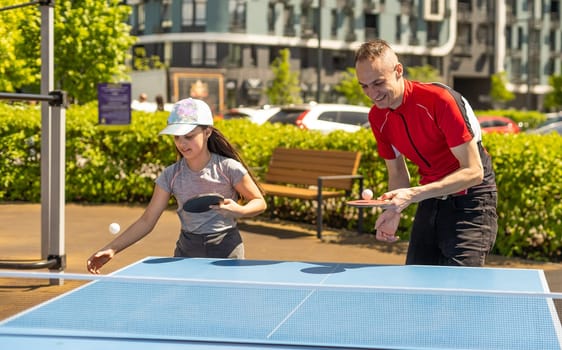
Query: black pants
[(227, 244), (454, 231)]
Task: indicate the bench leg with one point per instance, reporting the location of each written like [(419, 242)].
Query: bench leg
[(319, 219), (360, 221), (271, 204)]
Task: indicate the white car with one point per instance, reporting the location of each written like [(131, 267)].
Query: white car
[(548, 128), (324, 117), (258, 115)]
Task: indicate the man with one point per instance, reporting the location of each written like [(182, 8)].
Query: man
[(435, 128)]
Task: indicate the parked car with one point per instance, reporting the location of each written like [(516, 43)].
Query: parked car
[(324, 117), (258, 115), (550, 118), (499, 124), (548, 128)]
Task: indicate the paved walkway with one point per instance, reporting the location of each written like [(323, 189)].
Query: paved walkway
[(86, 230)]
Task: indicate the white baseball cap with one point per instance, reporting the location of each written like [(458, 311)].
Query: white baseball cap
[(186, 115)]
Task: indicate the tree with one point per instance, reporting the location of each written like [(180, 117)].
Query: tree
[(498, 90), (349, 87), (426, 74), (285, 87), (143, 63), (553, 99), (91, 45), (14, 71)]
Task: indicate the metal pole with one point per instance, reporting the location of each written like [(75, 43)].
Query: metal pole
[(46, 86), (319, 52), (528, 96), (52, 149)]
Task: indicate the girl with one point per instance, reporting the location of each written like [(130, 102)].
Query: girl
[(207, 163)]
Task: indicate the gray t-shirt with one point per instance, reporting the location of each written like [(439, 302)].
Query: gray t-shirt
[(218, 176)]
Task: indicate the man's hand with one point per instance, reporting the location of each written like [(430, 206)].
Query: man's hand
[(400, 198), (387, 225)]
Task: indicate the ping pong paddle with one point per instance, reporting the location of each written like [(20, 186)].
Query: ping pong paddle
[(201, 203), (369, 203)]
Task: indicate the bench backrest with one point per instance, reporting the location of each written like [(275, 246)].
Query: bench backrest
[(303, 167)]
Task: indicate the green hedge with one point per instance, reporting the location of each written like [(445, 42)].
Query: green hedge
[(119, 165), (525, 119)]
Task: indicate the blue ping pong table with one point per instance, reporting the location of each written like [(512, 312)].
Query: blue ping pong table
[(251, 304)]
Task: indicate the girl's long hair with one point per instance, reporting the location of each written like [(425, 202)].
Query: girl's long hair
[(219, 144)]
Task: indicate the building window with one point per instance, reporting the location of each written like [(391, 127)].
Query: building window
[(371, 26), (334, 23), (200, 12), (434, 10), (211, 54), (509, 37), (166, 14), (432, 33), (234, 56), (271, 17), (289, 29), (519, 38), (550, 66), (307, 21), (204, 54), (555, 11), (516, 68), (187, 13), (464, 40), (398, 31), (141, 17), (413, 29), (197, 54), (512, 4), (237, 11), (194, 13), (465, 5), (280, 12)]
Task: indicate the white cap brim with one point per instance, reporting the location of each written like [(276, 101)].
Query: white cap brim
[(178, 129)]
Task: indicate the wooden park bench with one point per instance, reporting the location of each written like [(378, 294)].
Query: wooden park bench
[(314, 175)]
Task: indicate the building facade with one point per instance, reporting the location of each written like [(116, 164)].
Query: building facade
[(222, 50)]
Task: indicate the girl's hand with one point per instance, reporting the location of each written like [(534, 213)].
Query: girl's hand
[(228, 208), (96, 261)]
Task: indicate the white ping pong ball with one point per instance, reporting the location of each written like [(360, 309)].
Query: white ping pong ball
[(367, 194), (114, 228)]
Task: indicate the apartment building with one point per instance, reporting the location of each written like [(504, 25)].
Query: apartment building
[(222, 50)]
